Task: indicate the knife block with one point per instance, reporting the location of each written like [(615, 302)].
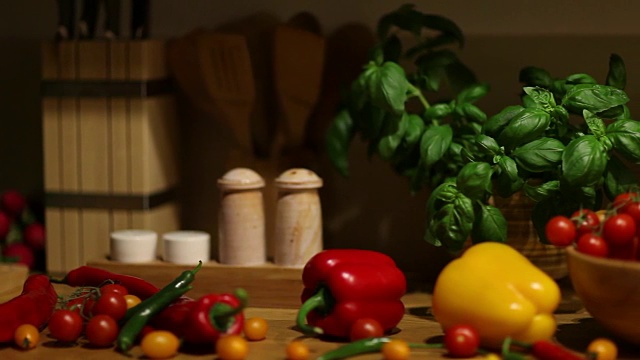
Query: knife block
[(110, 145)]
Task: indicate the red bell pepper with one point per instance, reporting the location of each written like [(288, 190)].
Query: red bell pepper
[(344, 285), (204, 320)]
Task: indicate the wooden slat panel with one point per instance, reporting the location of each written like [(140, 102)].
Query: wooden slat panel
[(147, 60), (162, 219), (49, 60), (55, 238), (69, 140), (51, 144), (121, 220), (72, 243), (137, 130), (94, 146), (117, 60), (95, 234), (160, 143), (92, 60), (67, 60)]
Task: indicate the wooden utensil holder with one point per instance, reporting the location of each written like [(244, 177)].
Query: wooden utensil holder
[(110, 145)]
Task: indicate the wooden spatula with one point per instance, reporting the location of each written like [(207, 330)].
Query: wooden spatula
[(226, 68), (298, 65)]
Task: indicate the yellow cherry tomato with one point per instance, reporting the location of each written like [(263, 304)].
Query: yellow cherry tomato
[(160, 344), (396, 350), (297, 350), (255, 328), (492, 356), (604, 349), (232, 347), (26, 336), (602, 215), (132, 300)]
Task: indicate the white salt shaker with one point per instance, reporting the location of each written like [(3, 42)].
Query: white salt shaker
[(241, 222), (298, 234), (133, 246), (186, 247)]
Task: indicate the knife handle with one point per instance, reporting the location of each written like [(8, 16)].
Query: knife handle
[(66, 14), (88, 20), (139, 19)]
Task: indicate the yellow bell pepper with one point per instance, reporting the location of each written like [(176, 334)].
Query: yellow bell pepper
[(497, 290)]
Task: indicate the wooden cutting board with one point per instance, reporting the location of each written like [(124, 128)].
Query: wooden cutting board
[(13, 277)]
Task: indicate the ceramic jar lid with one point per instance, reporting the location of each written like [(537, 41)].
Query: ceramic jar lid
[(133, 246), (240, 179), (186, 247), (298, 178)]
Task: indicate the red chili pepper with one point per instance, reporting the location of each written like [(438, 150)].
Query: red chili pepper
[(204, 320), (91, 276), (33, 306), (344, 285), (547, 350)]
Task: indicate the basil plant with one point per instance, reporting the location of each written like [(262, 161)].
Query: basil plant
[(563, 147)]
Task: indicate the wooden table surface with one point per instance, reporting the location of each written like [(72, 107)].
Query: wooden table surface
[(576, 328)]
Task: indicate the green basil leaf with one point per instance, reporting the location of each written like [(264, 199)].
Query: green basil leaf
[(405, 18), (625, 136), (575, 79), (390, 143), (496, 123), (584, 161), (388, 87), (617, 75), (338, 139), (618, 178), (489, 225), (528, 102), (508, 182), (542, 191), (535, 76), (415, 128), (438, 111), (474, 180), (561, 114), (452, 224), (616, 112), (472, 93), (371, 122), (472, 112), (459, 76), (595, 98), (542, 97), (434, 143), (440, 196), (432, 66), (596, 125), (526, 126), (487, 145), (444, 25), (544, 154)]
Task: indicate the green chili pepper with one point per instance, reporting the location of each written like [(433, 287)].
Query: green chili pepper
[(138, 316), (366, 346)]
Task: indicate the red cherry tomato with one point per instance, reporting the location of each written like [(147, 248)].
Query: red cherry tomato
[(619, 229), (112, 304), (116, 288), (560, 231), (65, 325), (592, 244), (621, 201), (461, 341), (633, 209), (365, 328), (102, 331), (586, 221)]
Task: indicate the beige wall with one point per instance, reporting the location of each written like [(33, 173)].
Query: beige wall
[(373, 208)]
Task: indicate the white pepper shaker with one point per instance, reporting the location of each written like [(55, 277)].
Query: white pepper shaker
[(241, 224), (298, 233)]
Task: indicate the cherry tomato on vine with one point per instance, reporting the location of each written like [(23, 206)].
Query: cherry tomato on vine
[(604, 349), (65, 325), (560, 231), (116, 288), (461, 341), (255, 328), (297, 350), (396, 350), (633, 210), (132, 300), (26, 336), (586, 221), (160, 344), (232, 347), (592, 244), (619, 229), (102, 330), (621, 201), (365, 328), (112, 304)]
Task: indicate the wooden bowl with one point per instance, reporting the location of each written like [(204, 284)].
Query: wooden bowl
[(609, 290)]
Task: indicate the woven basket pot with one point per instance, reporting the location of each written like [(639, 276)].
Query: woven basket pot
[(522, 235)]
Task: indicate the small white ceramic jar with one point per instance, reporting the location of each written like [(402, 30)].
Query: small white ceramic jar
[(133, 246), (186, 247)]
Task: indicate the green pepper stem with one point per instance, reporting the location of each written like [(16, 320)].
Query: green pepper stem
[(317, 301), (222, 313), (197, 268)]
